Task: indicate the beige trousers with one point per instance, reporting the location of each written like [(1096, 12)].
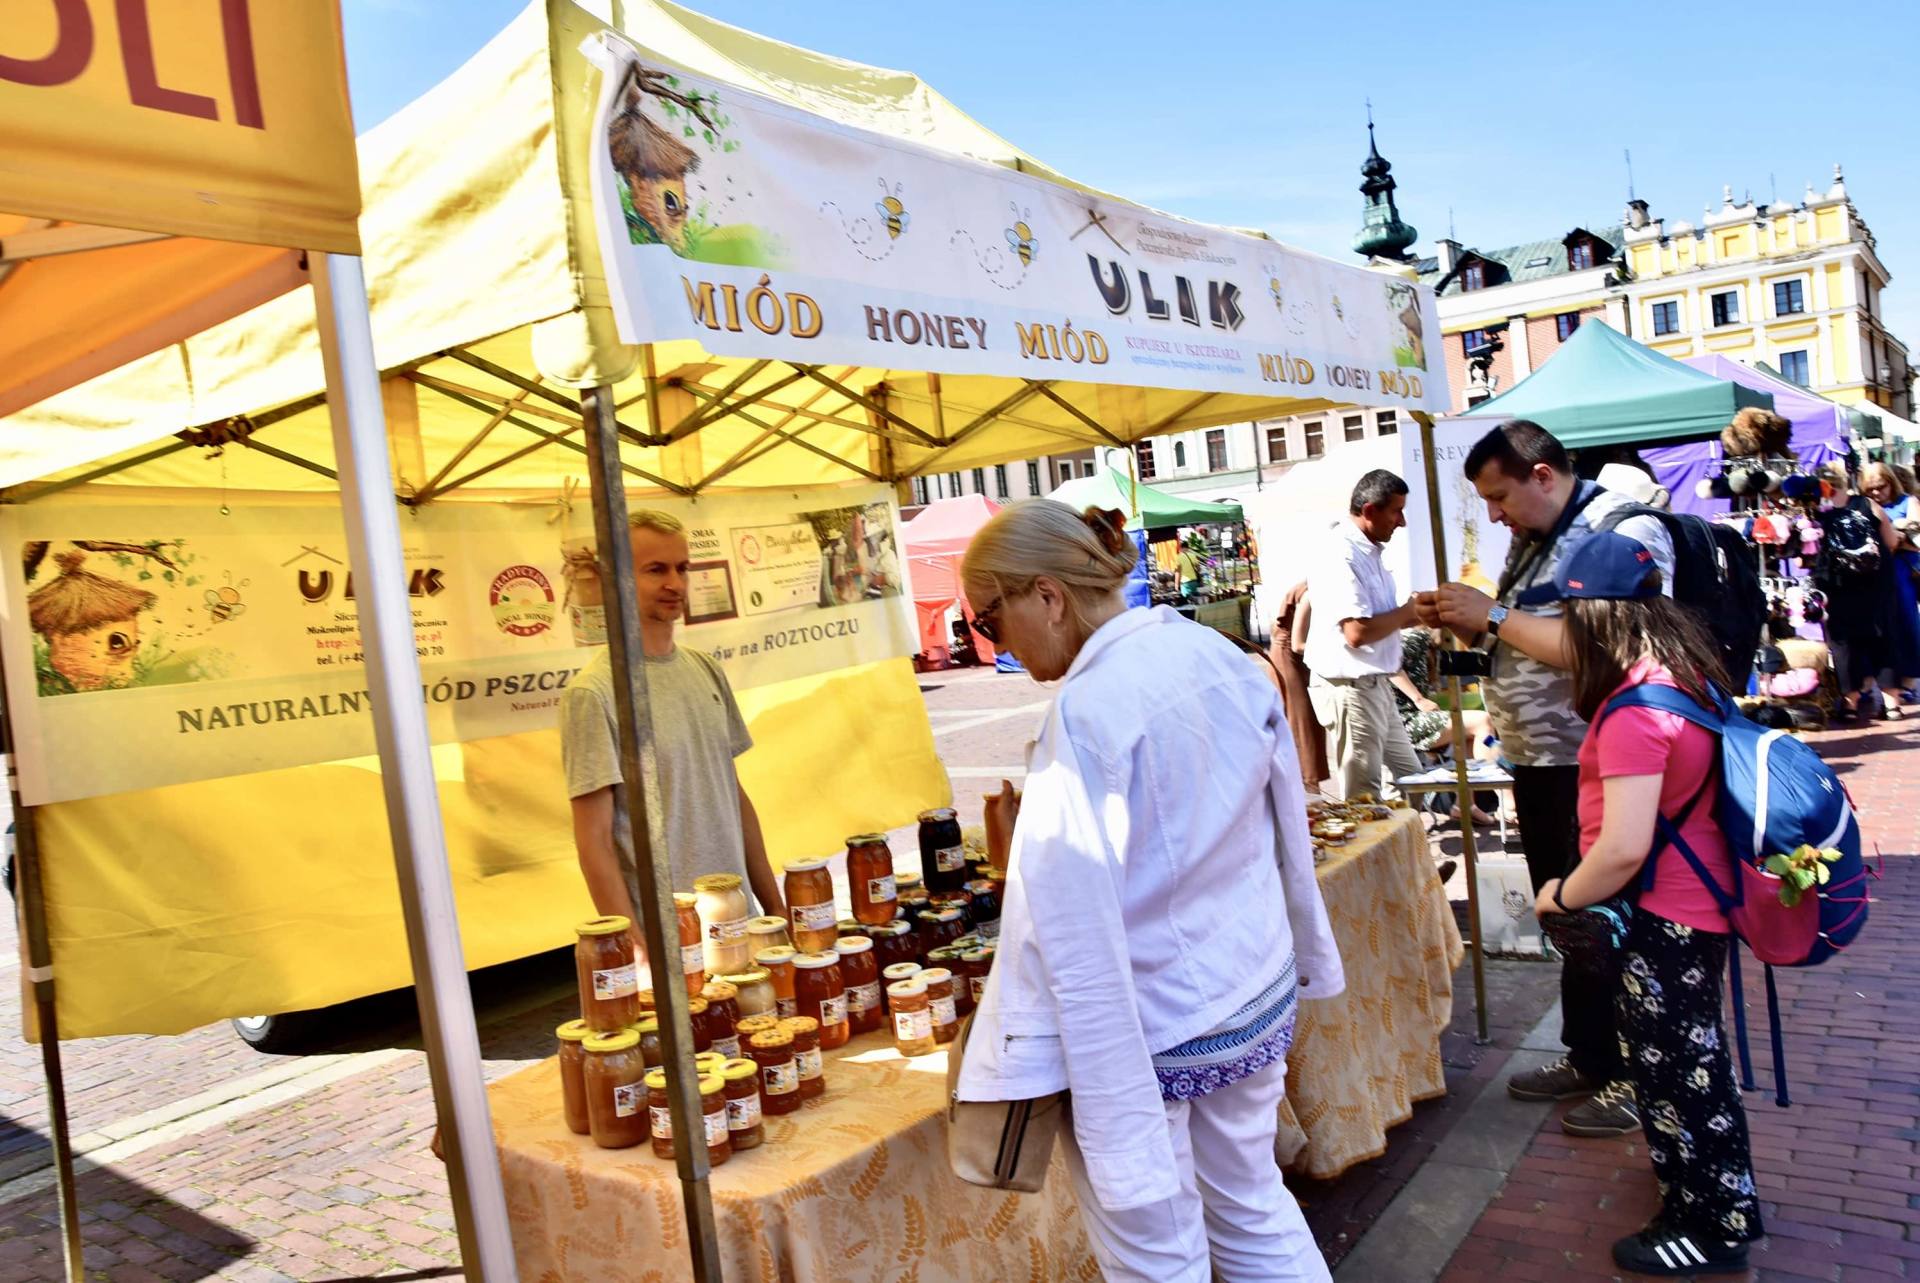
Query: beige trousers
[(1367, 744)]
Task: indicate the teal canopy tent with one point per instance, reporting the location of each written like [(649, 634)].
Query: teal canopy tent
[(1602, 388), (1147, 508)]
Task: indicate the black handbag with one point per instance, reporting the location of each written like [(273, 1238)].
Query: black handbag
[(1592, 939)]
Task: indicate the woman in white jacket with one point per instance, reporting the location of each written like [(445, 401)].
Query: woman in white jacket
[(1161, 917)]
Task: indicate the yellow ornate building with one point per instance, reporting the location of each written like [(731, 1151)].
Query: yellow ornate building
[(1796, 287)]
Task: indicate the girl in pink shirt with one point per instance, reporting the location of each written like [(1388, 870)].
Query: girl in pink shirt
[(1637, 764)]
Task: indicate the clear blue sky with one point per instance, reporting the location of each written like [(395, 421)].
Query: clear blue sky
[(1511, 115)]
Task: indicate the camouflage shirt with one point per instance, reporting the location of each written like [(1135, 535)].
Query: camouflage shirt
[(1531, 703)]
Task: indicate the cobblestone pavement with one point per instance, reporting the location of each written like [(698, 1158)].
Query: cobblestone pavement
[(1839, 1171)]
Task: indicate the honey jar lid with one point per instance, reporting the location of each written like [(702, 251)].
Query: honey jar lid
[(992, 872), (779, 955), (937, 814), (901, 970), (804, 866), (619, 1040), (655, 1078), (709, 1062), (800, 1025), (696, 1006), (735, 1071), (751, 976), (906, 881), (766, 926), (769, 1038), (646, 1025), (756, 1024), (719, 991), (852, 944), (865, 839), (910, 988), (811, 961), (935, 975), (574, 1031), (889, 929), (685, 899), (717, 882), (980, 886), (982, 954), (610, 925), (939, 915)]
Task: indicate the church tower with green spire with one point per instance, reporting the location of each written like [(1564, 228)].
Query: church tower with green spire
[(1382, 234)]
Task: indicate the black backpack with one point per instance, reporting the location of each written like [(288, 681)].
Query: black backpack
[(1716, 574), (1849, 549)]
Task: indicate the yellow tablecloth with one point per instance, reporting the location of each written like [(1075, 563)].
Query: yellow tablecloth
[(1361, 1060), (854, 1186)]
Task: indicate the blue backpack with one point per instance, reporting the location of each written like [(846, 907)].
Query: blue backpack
[(1776, 796)]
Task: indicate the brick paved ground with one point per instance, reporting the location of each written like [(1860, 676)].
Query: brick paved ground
[(1839, 1172)]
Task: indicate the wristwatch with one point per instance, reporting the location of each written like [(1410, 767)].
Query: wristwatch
[(1496, 616)]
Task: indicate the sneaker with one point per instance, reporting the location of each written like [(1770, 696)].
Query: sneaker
[(1558, 1081), (1664, 1252), (1612, 1112)]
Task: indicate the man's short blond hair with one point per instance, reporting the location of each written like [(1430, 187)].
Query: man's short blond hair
[(653, 519)]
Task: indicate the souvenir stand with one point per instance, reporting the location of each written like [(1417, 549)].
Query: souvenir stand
[(131, 217)]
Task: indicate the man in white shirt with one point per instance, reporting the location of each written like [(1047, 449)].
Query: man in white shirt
[(1353, 643)]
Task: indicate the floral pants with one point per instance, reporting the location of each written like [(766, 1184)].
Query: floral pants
[(1675, 1050)]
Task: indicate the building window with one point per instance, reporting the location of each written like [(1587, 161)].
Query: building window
[(1000, 480), (1794, 366), (1143, 458), (1355, 427), (1216, 449), (1666, 318), (1033, 476), (1475, 398), (1789, 298), (954, 488), (1316, 440), (1726, 308), (1565, 324), (980, 481), (1472, 339), (1277, 444), (1473, 276), (1386, 423), (1579, 257), (920, 491), (1179, 456)]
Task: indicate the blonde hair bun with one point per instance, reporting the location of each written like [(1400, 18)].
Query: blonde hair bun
[(1109, 526), (1087, 553)]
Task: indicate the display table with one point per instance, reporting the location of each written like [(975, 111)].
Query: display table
[(1361, 1060), (855, 1185)]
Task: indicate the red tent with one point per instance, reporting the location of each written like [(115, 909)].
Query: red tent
[(933, 543)]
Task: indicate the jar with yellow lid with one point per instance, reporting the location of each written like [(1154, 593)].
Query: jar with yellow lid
[(723, 1012), (778, 964), (912, 1017), (573, 1083), (767, 933), (612, 1077), (806, 1055), (744, 1125), (652, 1048), (751, 1025), (724, 914), (753, 992), (946, 1012), (772, 1050), (609, 982), (693, 956)]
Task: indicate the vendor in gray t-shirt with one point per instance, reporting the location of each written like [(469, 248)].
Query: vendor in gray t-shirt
[(703, 816)]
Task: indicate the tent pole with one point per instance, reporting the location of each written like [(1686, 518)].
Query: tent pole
[(413, 804), (1462, 751), (651, 878), (33, 925)]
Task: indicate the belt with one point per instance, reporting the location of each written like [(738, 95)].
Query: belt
[(1351, 681)]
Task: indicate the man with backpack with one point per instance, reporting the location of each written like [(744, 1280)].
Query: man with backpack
[(1523, 473)]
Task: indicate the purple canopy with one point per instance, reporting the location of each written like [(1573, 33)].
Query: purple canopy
[(1819, 434)]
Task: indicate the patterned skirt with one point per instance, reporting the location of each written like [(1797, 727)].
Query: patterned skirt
[(1257, 1035)]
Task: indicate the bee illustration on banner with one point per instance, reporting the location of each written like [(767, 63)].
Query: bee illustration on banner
[(1279, 296), (893, 214), (224, 604), (1020, 236), (874, 238)]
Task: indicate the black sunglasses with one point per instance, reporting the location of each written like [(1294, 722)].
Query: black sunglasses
[(981, 621)]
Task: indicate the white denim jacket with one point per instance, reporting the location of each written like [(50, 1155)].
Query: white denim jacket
[(1144, 901)]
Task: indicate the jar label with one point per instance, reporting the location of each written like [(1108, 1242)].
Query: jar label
[(863, 998), (978, 985), (727, 932), (662, 1122), (743, 1114), (693, 958), (809, 1063), (881, 890), (716, 1124), (950, 858), (912, 1026), (833, 1011), (787, 1007), (627, 1098), (616, 982), (728, 1046), (814, 917), (780, 1079), (944, 1012)]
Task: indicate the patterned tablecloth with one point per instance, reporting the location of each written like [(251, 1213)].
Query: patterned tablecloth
[(855, 1185), (1361, 1060)]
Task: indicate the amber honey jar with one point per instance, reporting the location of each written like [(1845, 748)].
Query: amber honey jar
[(820, 992), (723, 1013), (860, 972), (778, 964), (573, 1083), (744, 1126), (809, 891), (806, 1055), (870, 882), (612, 1076), (772, 1050), (946, 1011), (609, 983), (693, 961), (912, 1017)]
